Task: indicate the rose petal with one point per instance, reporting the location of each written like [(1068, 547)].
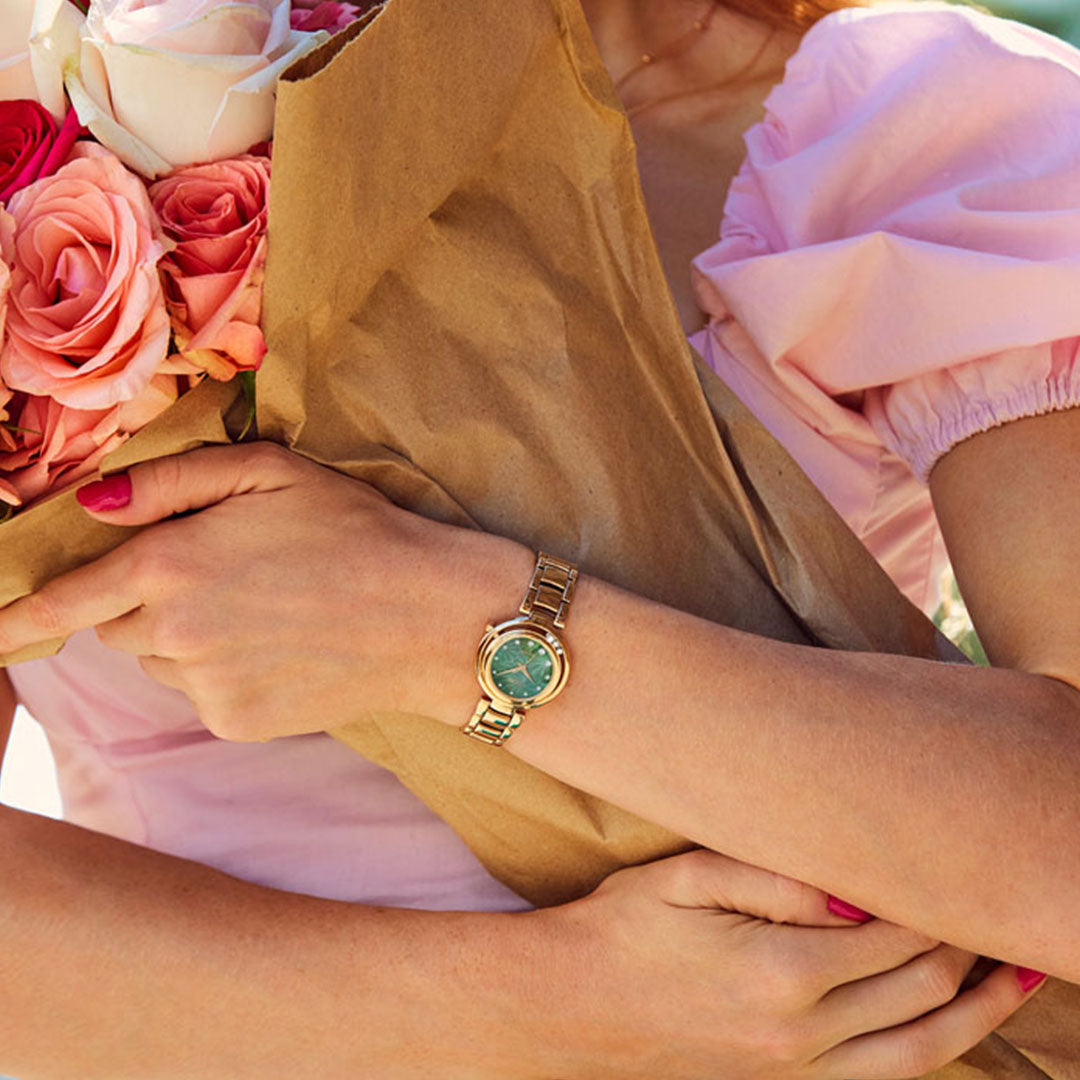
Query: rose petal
[(159, 107), (54, 40), (16, 75)]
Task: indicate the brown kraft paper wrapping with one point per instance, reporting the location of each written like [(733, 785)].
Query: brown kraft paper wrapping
[(465, 307)]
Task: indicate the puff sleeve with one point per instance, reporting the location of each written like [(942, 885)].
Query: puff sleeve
[(902, 244)]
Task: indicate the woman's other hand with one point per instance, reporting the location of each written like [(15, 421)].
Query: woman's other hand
[(752, 978), (293, 600)]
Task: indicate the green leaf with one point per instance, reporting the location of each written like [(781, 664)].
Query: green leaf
[(247, 381)]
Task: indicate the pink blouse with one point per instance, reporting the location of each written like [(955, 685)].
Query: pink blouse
[(898, 268), (899, 263)]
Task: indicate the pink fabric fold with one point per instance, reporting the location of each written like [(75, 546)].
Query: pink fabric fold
[(899, 263)]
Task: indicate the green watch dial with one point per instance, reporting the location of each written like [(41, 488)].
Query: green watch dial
[(522, 668)]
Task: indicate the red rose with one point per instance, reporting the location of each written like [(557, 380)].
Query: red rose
[(31, 145)]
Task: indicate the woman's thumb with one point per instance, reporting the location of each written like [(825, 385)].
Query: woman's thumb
[(705, 879), (158, 489)]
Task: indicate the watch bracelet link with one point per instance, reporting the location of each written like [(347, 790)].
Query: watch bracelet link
[(550, 591), (493, 724)]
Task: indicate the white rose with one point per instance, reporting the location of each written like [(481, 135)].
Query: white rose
[(165, 83), (36, 38)]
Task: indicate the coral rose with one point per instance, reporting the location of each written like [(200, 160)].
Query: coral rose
[(165, 83), (216, 214), (31, 144), (46, 446), (86, 317)]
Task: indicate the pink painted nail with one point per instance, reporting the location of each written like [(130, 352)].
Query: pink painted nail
[(848, 911), (1029, 978), (112, 493)]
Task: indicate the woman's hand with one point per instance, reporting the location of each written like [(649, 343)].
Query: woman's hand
[(293, 600), (752, 978)]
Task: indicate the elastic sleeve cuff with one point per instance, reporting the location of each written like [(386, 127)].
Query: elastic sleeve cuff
[(922, 419)]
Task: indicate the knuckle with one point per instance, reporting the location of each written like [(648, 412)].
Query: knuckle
[(170, 634), (267, 456), (784, 1044), (686, 871), (991, 1010), (226, 722), (156, 565), (939, 978), (787, 981), (164, 476), (793, 899), (44, 612)]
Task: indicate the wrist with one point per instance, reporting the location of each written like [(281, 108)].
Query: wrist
[(481, 581)]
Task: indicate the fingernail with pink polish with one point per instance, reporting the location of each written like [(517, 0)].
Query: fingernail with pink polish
[(112, 493), (848, 911), (1029, 978)]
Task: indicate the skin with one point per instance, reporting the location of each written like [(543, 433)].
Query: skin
[(1001, 874), (679, 969), (627, 977)]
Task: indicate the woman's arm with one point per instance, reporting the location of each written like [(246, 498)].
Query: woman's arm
[(942, 797), (939, 796), (118, 963), (121, 963)]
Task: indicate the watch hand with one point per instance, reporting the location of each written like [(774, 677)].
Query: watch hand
[(510, 671)]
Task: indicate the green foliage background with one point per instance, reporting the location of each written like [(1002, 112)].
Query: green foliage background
[(1060, 17)]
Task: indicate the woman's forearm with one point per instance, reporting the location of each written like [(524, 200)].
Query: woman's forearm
[(941, 796), (117, 962)]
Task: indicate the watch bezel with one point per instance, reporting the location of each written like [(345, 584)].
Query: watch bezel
[(526, 627)]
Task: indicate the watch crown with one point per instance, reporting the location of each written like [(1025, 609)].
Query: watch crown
[(489, 627)]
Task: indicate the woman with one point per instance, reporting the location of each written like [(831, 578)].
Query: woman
[(137, 599)]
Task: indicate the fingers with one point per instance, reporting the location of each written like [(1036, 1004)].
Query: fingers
[(158, 489), (706, 879), (933, 1041), (861, 952), (895, 997), (98, 592)]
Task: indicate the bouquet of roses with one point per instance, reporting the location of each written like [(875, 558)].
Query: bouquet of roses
[(134, 177)]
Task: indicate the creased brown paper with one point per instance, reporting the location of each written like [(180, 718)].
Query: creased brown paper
[(464, 306)]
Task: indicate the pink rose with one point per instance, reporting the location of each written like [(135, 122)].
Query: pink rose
[(32, 146), (87, 323), (329, 15), (46, 446), (216, 214)]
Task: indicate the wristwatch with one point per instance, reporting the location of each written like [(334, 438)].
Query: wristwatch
[(522, 663)]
